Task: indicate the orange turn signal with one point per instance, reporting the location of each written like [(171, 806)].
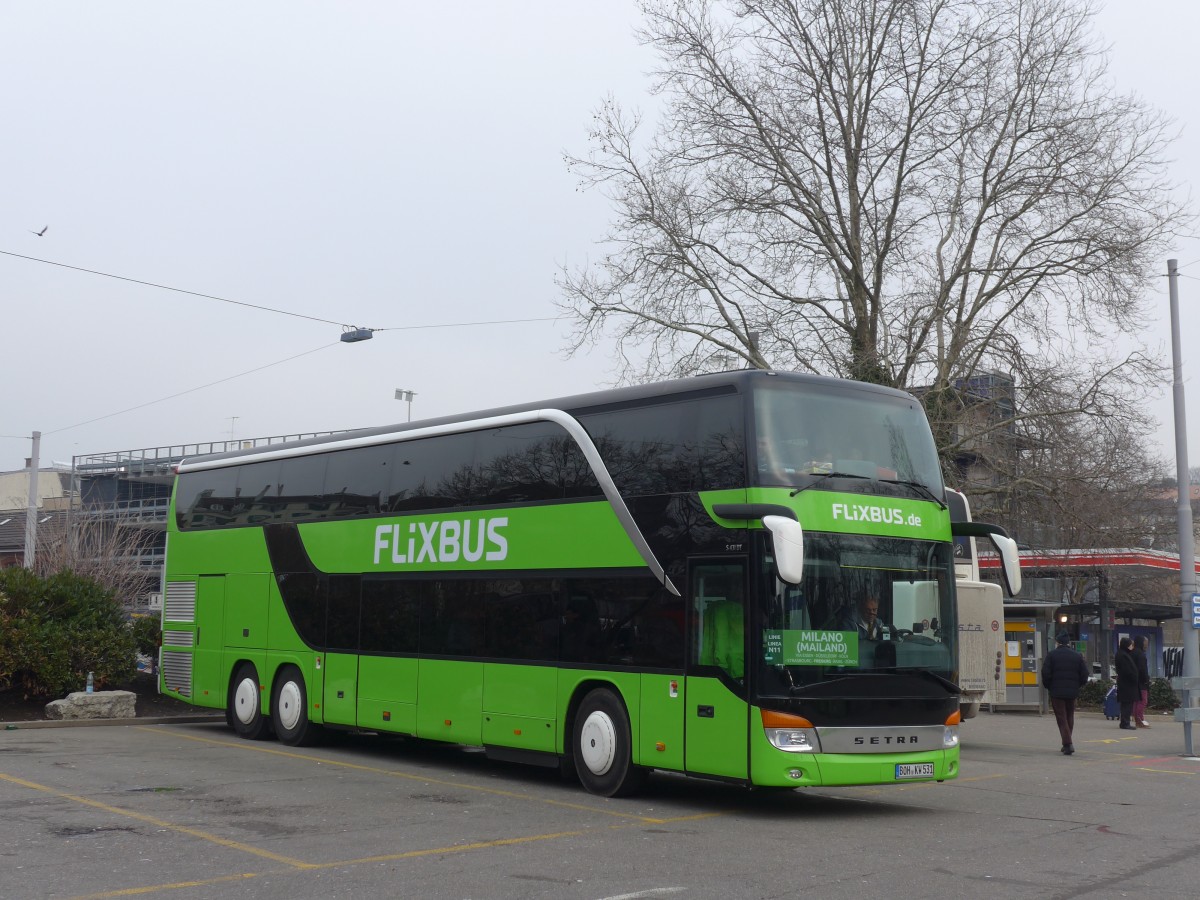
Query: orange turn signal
[(955, 718), (773, 719)]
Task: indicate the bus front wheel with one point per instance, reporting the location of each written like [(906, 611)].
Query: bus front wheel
[(603, 748), (245, 704), (289, 709)]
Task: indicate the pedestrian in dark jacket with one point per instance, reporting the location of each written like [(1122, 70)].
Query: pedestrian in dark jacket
[(1128, 690), (1139, 706), (1063, 673)]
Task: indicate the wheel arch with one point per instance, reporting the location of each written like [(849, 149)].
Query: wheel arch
[(581, 690)]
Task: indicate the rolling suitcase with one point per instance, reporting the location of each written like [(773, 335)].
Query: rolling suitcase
[(1112, 709)]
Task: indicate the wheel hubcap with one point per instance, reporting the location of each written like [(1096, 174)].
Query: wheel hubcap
[(598, 743), (245, 701), (289, 705)]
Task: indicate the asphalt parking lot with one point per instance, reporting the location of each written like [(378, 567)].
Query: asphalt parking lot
[(190, 811)]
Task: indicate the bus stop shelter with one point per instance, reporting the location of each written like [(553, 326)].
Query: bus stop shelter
[(1100, 622)]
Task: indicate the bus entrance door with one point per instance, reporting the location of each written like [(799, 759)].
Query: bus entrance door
[(715, 723)]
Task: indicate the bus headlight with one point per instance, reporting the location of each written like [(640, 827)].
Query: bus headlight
[(950, 732), (796, 740), (788, 732)]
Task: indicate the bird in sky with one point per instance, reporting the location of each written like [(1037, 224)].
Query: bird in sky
[(40, 233)]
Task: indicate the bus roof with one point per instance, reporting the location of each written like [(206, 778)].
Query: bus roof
[(738, 380)]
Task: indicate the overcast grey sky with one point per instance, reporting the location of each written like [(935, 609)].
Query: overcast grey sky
[(383, 164)]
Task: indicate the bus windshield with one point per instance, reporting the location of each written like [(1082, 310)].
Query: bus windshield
[(866, 605), (856, 433)]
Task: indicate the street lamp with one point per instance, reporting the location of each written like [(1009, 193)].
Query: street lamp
[(406, 396)]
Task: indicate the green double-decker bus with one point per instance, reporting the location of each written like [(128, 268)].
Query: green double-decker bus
[(746, 576)]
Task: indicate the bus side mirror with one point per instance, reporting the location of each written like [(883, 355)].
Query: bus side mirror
[(1010, 562), (787, 541)]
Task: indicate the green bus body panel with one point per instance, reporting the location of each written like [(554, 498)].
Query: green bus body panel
[(517, 690), (216, 552), (518, 538), (387, 693), (771, 767), (820, 510), (661, 715), (341, 676), (450, 701), (210, 680), (246, 611), (281, 634), (518, 706), (716, 729)]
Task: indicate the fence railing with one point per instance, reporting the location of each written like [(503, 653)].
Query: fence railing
[(159, 460)]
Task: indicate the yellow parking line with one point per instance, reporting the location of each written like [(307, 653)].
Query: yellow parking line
[(984, 777), (453, 848), (389, 857), (176, 886), (1165, 771), (159, 823), (424, 779)]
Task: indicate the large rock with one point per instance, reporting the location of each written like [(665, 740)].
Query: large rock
[(97, 705)]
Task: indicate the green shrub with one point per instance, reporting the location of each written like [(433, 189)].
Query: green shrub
[(146, 633), (1161, 695), (1093, 693), (58, 628)]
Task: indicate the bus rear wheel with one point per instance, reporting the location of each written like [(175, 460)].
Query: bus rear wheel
[(245, 704), (602, 746), (289, 709)]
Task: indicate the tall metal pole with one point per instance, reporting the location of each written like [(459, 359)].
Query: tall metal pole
[(402, 394), (31, 511), (1187, 540)]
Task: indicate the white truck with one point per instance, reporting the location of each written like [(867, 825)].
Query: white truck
[(980, 622)]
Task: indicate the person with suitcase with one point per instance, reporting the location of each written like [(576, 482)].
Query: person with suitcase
[(1063, 673), (1128, 682), (1140, 646)]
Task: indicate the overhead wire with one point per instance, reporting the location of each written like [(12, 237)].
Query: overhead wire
[(191, 390), (282, 312), (167, 287)]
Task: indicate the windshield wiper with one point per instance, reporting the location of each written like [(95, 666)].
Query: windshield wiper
[(944, 682), (822, 476), (918, 487)]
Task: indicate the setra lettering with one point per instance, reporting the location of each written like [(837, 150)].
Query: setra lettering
[(907, 740)]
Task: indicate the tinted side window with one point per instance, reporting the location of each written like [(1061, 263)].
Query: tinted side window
[(391, 615), (622, 621), (433, 473), (304, 597), (452, 618), (302, 481), (343, 612), (523, 619), (538, 461), (675, 447), (206, 499), (258, 490), (356, 481)]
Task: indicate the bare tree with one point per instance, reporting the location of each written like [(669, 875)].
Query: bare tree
[(908, 192), (105, 551)]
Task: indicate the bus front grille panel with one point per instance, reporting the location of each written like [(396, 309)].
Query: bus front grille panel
[(177, 671), (180, 602)]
